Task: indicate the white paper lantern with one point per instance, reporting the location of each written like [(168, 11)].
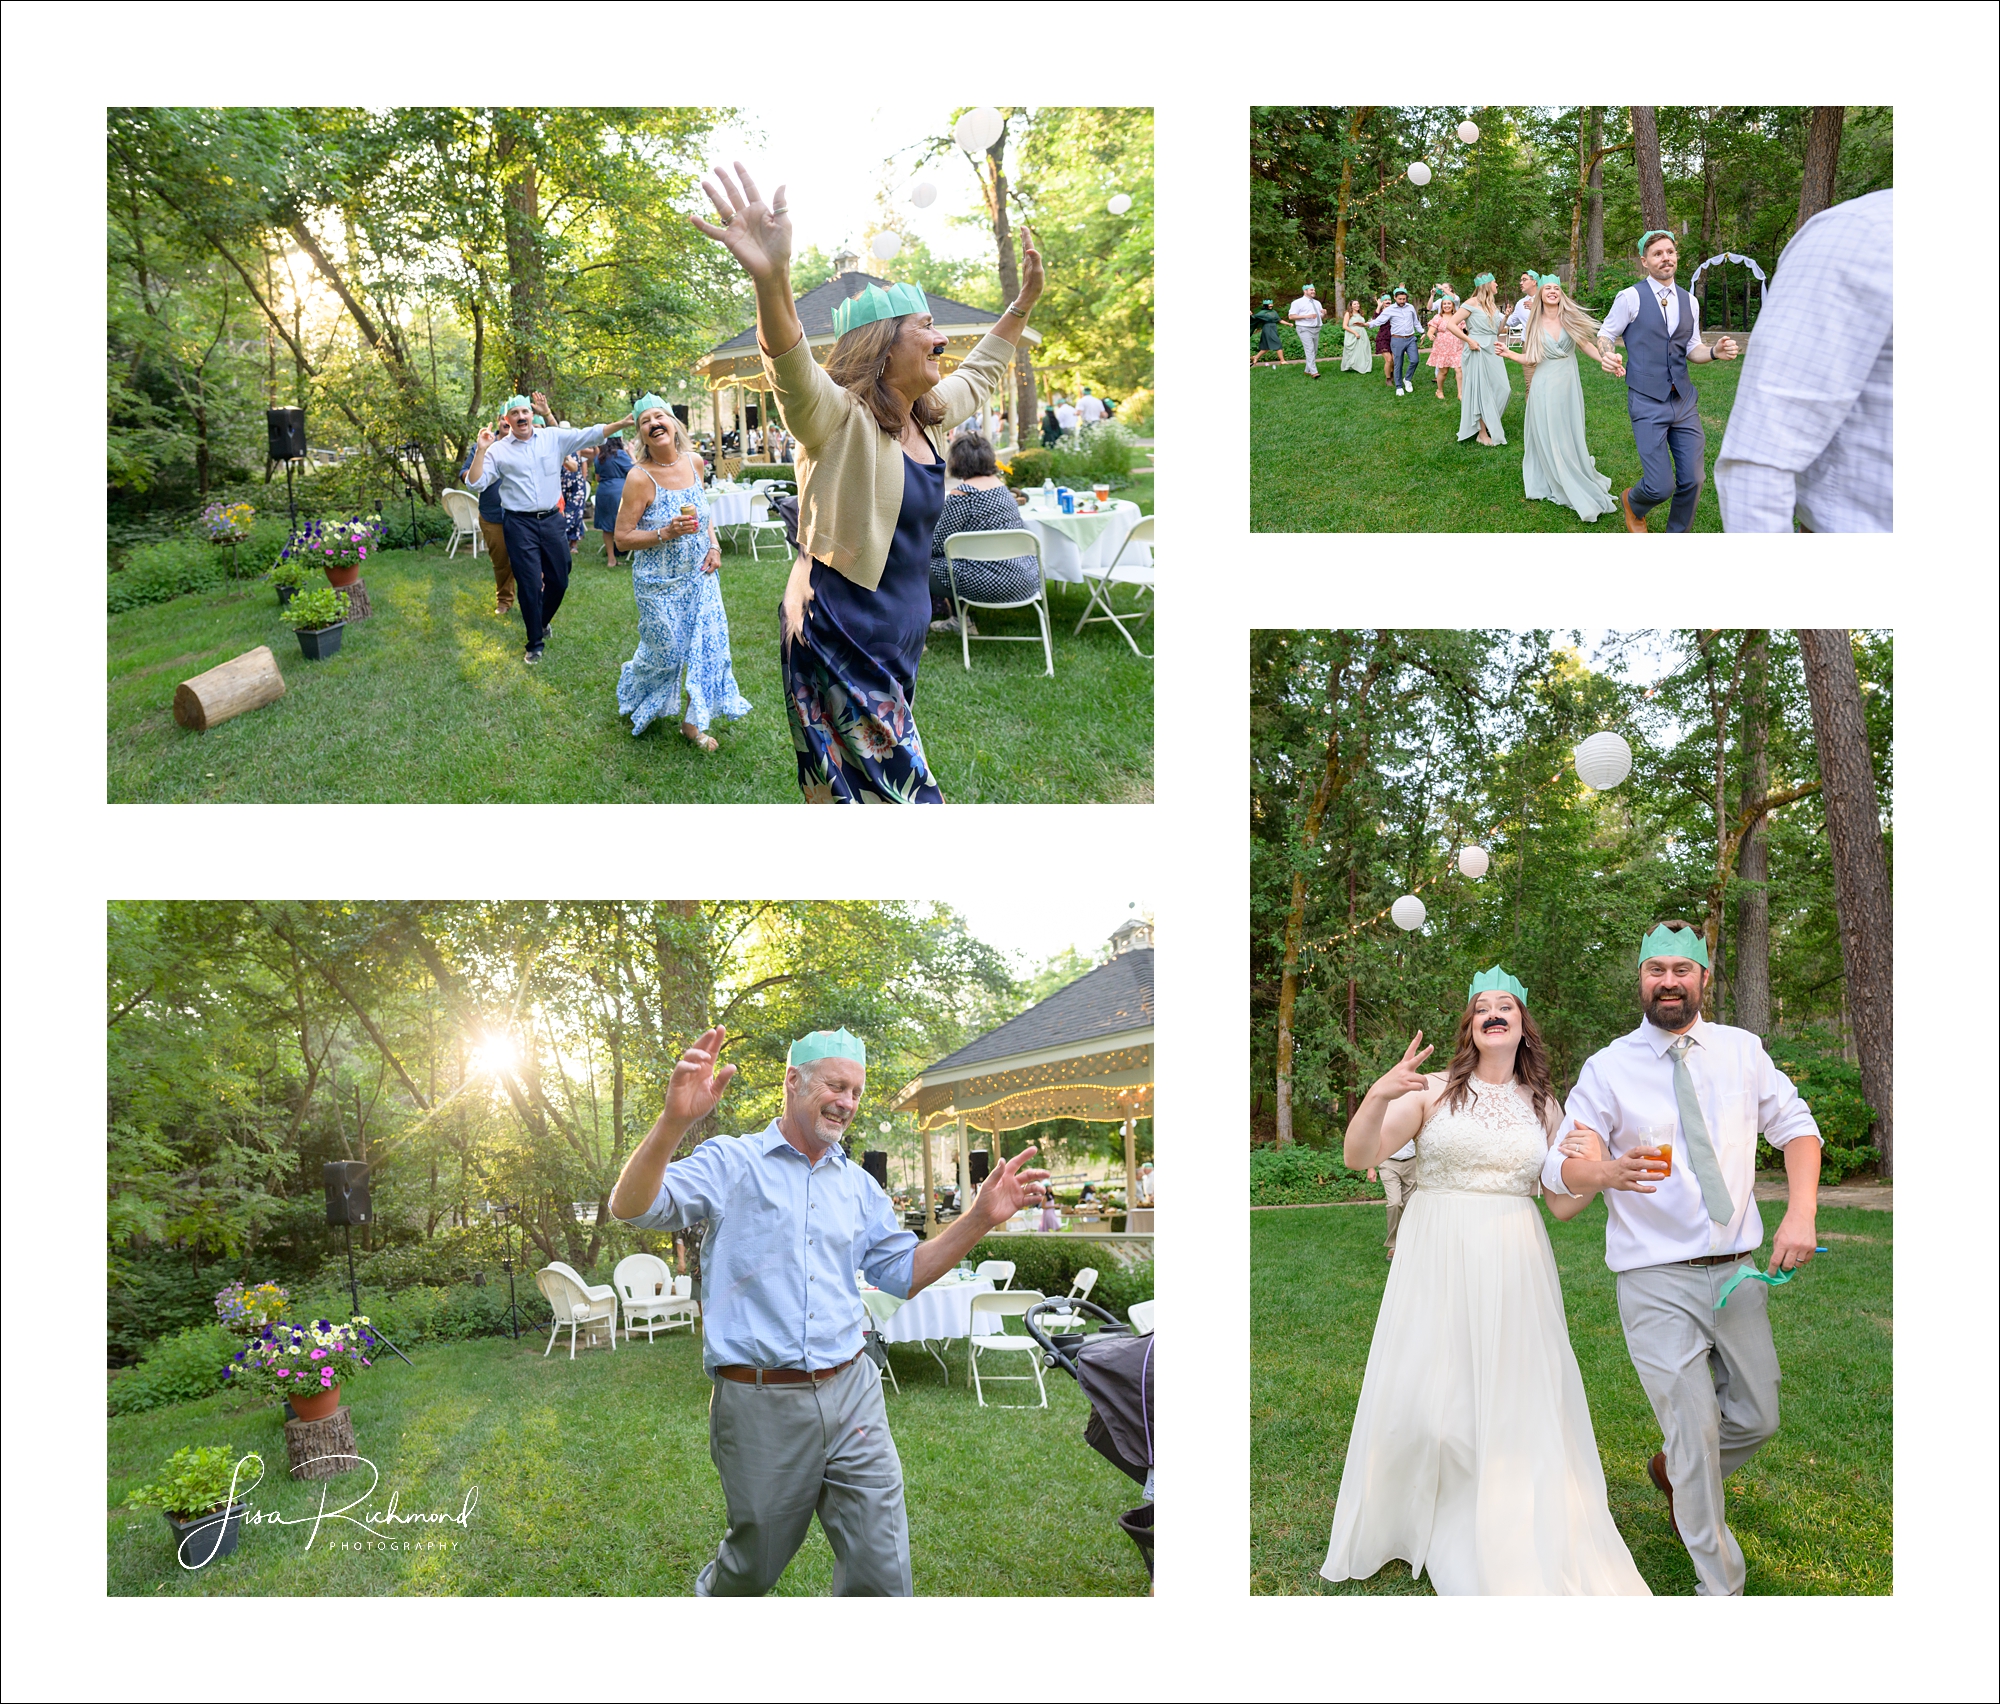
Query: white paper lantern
[(1419, 174), (1473, 862), (886, 246), (923, 194), (1468, 133), (978, 130), (1602, 761), (1119, 203), (1407, 912)]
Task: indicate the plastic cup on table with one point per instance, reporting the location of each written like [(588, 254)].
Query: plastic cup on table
[(1102, 493)]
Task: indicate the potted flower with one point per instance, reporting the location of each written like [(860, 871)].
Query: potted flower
[(317, 617), (201, 1493), (228, 523), (252, 1308), (306, 1364), (337, 547), (288, 574)]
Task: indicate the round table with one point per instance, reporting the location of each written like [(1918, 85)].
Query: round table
[(729, 508), (1076, 545), (934, 1315)]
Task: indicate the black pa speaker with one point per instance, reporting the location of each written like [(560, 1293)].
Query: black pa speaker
[(346, 1192), (286, 430), (981, 1163), (876, 1164)]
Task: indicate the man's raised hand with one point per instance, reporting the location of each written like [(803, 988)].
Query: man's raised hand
[(485, 437), (1403, 1077), (757, 233), (698, 1082), (1007, 1190)]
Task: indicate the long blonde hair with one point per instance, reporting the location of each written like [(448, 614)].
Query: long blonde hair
[(1487, 296), (1569, 317)]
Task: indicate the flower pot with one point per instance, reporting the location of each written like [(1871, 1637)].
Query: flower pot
[(318, 1405), (343, 576), (205, 1538), (319, 643), (286, 594)]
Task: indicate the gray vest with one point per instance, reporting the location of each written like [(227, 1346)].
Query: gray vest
[(1656, 361)]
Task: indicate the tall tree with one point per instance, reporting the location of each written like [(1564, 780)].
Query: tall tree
[(1822, 161), (1594, 204), (1751, 1006), (1860, 869), (1646, 154), (1355, 120)]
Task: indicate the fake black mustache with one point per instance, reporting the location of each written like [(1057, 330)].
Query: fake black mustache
[(1493, 1024)]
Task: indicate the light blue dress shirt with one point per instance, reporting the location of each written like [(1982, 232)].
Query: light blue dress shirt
[(785, 1238), (530, 473), (1402, 318)]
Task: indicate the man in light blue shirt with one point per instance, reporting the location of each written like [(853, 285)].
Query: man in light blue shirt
[(1404, 325), (796, 1422), (527, 466)]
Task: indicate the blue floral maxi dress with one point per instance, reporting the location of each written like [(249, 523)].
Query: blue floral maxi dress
[(682, 625), (851, 675)]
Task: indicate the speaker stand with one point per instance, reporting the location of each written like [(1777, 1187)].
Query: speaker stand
[(354, 1295), (291, 497)]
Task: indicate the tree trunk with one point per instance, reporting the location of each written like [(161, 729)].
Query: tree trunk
[(1822, 159), (993, 185), (1347, 1093), (1751, 1007), (1860, 869), (1354, 124), (1594, 240), (1646, 154), (1382, 217), (1711, 171), (527, 272)]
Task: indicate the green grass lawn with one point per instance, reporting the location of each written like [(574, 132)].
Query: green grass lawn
[(1344, 454), (1811, 1509), (594, 1479), (428, 701)]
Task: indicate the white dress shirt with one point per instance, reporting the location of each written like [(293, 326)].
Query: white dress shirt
[(1306, 311), (1811, 430), (1090, 410), (1065, 417), (1626, 1094), (1408, 1151), (530, 471), (1625, 309)]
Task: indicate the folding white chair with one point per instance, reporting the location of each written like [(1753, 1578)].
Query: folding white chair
[(462, 509), (1084, 1282), (1000, 1271), (1005, 1304), (593, 1307), (1120, 572), (765, 527), (999, 547), (1141, 1316)]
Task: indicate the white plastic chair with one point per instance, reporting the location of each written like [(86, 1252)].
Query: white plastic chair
[(1141, 1316), (1005, 1304), (462, 508), (1084, 1282), (999, 546), (1000, 1271), (594, 1307), (763, 524), (1120, 572), (646, 1290)]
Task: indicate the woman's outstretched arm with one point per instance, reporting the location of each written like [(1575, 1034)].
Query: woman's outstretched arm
[(759, 235), (1390, 1113)]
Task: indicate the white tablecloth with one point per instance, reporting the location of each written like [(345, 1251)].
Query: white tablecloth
[(729, 508), (944, 1310), (1064, 559)]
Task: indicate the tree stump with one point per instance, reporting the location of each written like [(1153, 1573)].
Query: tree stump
[(322, 1449), (248, 682), (357, 601)]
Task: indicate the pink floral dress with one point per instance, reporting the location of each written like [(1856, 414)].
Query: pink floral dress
[(1446, 350)]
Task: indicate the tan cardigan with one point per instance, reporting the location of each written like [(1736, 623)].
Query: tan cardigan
[(850, 470)]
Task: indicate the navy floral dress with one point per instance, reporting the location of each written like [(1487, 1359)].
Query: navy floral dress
[(851, 676), (575, 499)]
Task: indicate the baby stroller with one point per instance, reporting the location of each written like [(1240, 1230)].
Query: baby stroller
[(1115, 1369)]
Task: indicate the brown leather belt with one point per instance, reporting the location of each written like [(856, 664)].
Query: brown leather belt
[(1718, 1259), (783, 1375)]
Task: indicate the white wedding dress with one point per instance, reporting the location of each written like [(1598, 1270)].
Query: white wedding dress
[(1472, 1456)]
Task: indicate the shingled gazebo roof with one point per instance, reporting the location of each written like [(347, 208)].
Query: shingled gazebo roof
[(1084, 1052), (736, 362)]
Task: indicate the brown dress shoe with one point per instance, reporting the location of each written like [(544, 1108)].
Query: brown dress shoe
[(1656, 1470), (1633, 523)]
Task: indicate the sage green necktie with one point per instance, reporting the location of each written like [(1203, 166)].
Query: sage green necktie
[(1694, 1135)]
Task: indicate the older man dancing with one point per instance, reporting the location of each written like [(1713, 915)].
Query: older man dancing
[(796, 1423), (528, 466), (1702, 1349)]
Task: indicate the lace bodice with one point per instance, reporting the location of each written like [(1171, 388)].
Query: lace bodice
[(1493, 1145)]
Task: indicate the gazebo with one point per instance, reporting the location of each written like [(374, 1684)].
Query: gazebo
[(736, 364), (1085, 1052)]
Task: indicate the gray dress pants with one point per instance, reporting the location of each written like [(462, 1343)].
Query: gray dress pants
[(1712, 1379), (1309, 340), (787, 1452)]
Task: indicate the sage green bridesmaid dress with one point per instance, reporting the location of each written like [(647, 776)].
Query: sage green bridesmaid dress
[(1483, 378), (1357, 354), (1555, 460)]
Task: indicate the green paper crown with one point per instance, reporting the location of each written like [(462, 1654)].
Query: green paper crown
[(1496, 981), (1548, 278), (649, 400), (1399, 291), (539, 421), (1649, 236), (828, 1044), (1483, 278), (1674, 943), (514, 402), (876, 303)]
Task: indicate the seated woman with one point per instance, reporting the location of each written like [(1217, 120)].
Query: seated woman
[(978, 501)]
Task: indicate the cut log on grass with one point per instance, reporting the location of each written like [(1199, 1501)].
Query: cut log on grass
[(248, 682), (322, 1449)]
